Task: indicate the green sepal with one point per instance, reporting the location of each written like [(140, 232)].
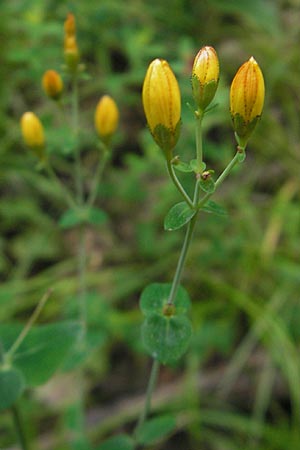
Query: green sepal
[(166, 138), (243, 129), (180, 165), (203, 93), (166, 338), (178, 216)]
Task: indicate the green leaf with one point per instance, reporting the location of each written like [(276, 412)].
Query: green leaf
[(71, 218), (155, 429), (214, 208), (119, 442), (11, 387), (43, 350), (207, 184), (178, 216), (197, 168), (155, 296), (96, 216), (182, 166), (166, 338)]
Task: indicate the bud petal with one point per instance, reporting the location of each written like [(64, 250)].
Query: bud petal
[(33, 133), (70, 46), (106, 117), (162, 104), (205, 76), (52, 84), (246, 99)]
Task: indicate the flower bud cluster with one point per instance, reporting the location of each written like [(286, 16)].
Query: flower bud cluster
[(162, 103), (70, 45)]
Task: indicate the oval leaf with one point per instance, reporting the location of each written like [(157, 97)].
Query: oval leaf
[(214, 208), (120, 442), (155, 296), (179, 215), (156, 429), (43, 350), (166, 338), (11, 387), (71, 218), (96, 216)]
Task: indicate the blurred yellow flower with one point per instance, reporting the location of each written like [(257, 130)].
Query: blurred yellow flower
[(106, 117), (33, 133), (52, 84)]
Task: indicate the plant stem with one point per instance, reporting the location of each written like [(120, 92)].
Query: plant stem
[(150, 389), (28, 325), (199, 147), (75, 126), (82, 257), (68, 197), (178, 184), (98, 174), (19, 427)]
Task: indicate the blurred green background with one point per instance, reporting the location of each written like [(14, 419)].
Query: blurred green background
[(239, 385)]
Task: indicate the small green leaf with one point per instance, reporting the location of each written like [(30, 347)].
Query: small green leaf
[(11, 387), (155, 296), (214, 208), (178, 216), (206, 183), (43, 350), (166, 338), (155, 429), (71, 218), (119, 442), (96, 216), (197, 168), (182, 166)]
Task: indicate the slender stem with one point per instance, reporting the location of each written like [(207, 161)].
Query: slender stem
[(185, 247), (199, 147), (28, 325), (178, 184), (150, 389), (98, 174), (19, 427), (82, 290), (75, 126), (68, 197)]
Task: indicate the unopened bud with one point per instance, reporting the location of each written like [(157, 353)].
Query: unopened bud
[(52, 84), (70, 45), (246, 100), (162, 105), (205, 76), (106, 117), (33, 133)]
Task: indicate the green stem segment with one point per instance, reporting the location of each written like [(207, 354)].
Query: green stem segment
[(19, 427), (178, 184), (150, 389), (106, 153), (75, 126)]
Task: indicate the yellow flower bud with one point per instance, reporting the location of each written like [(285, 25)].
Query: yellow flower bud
[(33, 133), (205, 76), (52, 84), (106, 117), (162, 104), (70, 45), (247, 95)]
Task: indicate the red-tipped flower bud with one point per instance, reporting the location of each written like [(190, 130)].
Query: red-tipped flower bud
[(247, 95), (52, 84)]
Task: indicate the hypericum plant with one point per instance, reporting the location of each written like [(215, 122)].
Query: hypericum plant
[(29, 356), (80, 197), (166, 330)]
